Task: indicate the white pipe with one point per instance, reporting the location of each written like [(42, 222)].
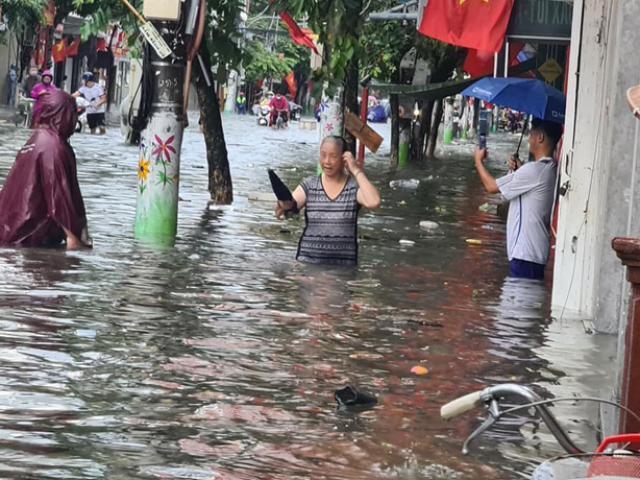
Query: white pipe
[(506, 59)]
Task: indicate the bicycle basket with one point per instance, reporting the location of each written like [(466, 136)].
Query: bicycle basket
[(625, 465), (590, 466)]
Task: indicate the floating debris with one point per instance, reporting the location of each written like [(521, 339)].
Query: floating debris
[(419, 370), (488, 208), (411, 184), (429, 226)]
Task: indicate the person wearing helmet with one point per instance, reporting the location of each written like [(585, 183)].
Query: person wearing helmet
[(93, 92), (43, 88)]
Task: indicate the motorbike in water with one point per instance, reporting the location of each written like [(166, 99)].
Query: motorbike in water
[(81, 108), (24, 112), (264, 112), (606, 463), (296, 111), (282, 120)]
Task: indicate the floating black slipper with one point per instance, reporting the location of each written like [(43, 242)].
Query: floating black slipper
[(351, 397)]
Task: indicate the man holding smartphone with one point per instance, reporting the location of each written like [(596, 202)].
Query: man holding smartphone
[(529, 188)]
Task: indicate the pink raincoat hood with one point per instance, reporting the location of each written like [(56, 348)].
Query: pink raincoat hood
[(57, 111)]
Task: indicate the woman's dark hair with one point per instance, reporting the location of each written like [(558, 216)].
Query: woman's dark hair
[(338, 140)]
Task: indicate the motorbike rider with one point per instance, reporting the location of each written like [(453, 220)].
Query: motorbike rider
[(30, 82), (241, 104), (93, 92), (40, 90), (279, 106)]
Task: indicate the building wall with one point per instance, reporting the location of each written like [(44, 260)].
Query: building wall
[(597, 160), (574, 273), (620, 211), (7, 57)]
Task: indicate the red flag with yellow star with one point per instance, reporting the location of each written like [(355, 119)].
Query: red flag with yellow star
[(477, 24), (59, 51)]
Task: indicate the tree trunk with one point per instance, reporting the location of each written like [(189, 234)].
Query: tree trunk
[(426, 115), (435, 126), (111, 84), (476, 117), (351, 100), (395, 130), (220, 187)]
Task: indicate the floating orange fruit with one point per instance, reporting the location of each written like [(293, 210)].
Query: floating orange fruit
[(420, 370)]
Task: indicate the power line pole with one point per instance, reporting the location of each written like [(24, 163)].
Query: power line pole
[(159, 160)]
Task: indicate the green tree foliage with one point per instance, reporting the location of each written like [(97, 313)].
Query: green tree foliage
[(443, 58), (379, 46), (100, 14), (221, 32), (383, 45), (262, 63), (23, 14), (223, 36), (337, 24)]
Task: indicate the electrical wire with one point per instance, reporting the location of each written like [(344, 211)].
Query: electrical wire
[(146, 96), (569, 399)]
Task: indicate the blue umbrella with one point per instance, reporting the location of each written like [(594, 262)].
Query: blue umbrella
[(522, 94)]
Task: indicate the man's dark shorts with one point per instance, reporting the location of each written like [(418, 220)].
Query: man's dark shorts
[(523, 269), (95, 120)]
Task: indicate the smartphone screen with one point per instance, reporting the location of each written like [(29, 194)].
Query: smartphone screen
[(483, 129), (482, 141)]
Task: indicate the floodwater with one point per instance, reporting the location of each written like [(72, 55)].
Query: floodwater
[(218, 359)]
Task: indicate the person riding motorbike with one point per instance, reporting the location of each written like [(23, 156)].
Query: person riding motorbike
[(39, 91), (279, 107)]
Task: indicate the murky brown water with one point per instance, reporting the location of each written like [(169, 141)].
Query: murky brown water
[(218, 359)]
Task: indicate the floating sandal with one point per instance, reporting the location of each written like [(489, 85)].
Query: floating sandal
[(352, 398)]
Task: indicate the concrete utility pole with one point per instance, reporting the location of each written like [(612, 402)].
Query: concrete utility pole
[(331, 118), (159, 161), (232, 92)]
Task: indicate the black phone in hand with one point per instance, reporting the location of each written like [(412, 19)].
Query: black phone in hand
[(482, 141)]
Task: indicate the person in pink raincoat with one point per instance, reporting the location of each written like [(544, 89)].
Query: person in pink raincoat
[(45, 87), (40, 201)]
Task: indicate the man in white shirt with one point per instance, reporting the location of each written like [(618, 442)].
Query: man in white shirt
[(93, 92), (529, 188)]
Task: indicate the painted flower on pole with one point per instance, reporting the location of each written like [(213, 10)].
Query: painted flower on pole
[(162, 151), (165, 148), (143, 169)]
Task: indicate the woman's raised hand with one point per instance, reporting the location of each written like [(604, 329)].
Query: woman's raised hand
[(351, 163)]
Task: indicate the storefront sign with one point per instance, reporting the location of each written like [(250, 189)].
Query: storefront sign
[(541, 19)]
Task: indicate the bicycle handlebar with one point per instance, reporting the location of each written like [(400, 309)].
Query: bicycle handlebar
[(491, 395), (461, 405)]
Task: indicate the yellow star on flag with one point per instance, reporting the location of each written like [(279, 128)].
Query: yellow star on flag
[(462, 1)]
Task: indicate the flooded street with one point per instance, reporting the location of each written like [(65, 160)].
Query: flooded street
[(218, 359)]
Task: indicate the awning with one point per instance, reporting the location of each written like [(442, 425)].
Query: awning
[(435, 91)]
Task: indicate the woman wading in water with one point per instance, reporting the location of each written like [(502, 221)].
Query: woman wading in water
[(332, 201)]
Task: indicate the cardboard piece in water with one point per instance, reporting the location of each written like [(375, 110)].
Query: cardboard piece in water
[(362, 132)]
